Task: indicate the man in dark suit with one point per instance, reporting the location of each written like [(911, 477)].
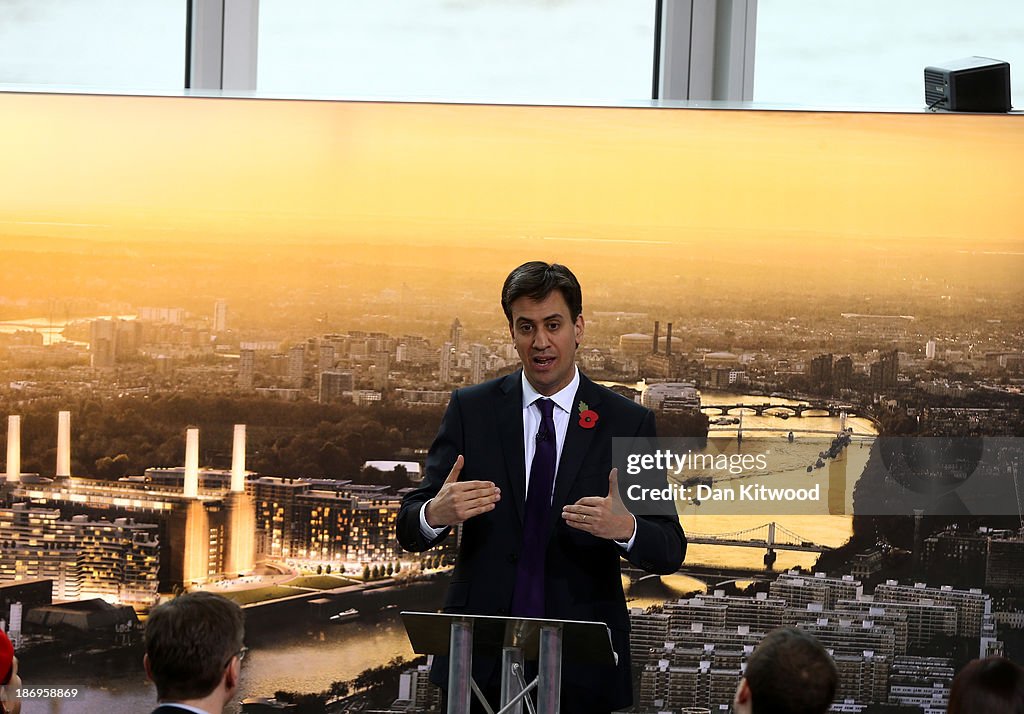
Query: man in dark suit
[(194, 653), (523, 463)]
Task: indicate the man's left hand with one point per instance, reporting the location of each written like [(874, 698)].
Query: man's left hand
[(602, 516)]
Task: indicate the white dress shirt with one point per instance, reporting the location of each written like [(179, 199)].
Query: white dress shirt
[(565, 400)]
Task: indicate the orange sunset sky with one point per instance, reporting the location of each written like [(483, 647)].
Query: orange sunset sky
[(137, 168)]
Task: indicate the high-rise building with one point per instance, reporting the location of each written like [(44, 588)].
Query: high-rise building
[(102, 344), (863, 676), (191, 532), (193, 525), (718, 656), (63, 469), (649, 629), (246, 368), (445, 370), (13, 448), (842, 373), (336, 385), (798, 590), (684, 613), (1005, 562), (700, 688), (296, 366), (220, 316), (850, 635), (325, 520), (929, 349), (478, 364), (83, 558), (381, 368), (955, 557), (920, 621), (873, 617), (973, 607), (412, 349), (921, 682), (760, 612), (455, 335), (820, 374), (110, 340), (886, 371), (327, 357), (967, 557), (416, 692)]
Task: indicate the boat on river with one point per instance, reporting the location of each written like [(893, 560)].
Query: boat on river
[(345, 616)]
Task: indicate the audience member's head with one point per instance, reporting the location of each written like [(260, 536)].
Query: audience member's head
[(9, 679), (993, 685), (194, 650), (788, 673)]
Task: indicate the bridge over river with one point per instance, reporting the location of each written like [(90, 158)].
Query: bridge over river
[(770, 537), (829, 409)]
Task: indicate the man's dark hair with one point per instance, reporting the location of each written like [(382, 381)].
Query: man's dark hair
[(190, 640), (993, 685), (790, 673), (536, 280)]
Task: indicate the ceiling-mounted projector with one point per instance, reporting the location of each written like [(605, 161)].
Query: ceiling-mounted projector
[(971, 84)]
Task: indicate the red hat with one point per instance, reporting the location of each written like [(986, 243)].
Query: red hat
[(6, 658)]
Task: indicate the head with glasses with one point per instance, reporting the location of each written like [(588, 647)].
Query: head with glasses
[(194, 649)]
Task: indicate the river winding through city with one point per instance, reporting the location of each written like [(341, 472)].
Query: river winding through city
[(306, 656)]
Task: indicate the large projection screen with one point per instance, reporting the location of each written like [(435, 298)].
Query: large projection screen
[(766, 238)]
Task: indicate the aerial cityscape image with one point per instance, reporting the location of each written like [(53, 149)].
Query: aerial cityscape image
[(229, 330)]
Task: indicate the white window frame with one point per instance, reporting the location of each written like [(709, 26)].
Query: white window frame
[(704, 50), (222, 44)]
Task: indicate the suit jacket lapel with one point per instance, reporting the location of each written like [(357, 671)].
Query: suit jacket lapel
[(577, 444), (510, 426)]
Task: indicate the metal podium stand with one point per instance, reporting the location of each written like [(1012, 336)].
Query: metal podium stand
[(518, 639)]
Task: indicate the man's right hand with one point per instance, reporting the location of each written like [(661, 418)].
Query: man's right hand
[(459, 501)]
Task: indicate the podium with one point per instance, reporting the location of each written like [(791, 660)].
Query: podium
[(518, 639)]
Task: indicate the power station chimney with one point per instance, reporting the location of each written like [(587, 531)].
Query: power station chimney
[(192, 463), (238, 460), (63, 444), (657, 328), (668, 341), (13, 448)]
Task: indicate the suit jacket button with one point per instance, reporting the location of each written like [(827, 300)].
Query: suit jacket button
[(502, 611), (513, 557)]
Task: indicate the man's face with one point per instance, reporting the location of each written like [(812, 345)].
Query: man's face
[(545, 337)]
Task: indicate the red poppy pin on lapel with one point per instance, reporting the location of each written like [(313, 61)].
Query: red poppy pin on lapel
[(588, 417)]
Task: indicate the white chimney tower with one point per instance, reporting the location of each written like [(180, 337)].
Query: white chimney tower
[(192, 463), (238, 460), (13, 448), (63, 444)]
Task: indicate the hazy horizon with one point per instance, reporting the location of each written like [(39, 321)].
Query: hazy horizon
[(300, 208)]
